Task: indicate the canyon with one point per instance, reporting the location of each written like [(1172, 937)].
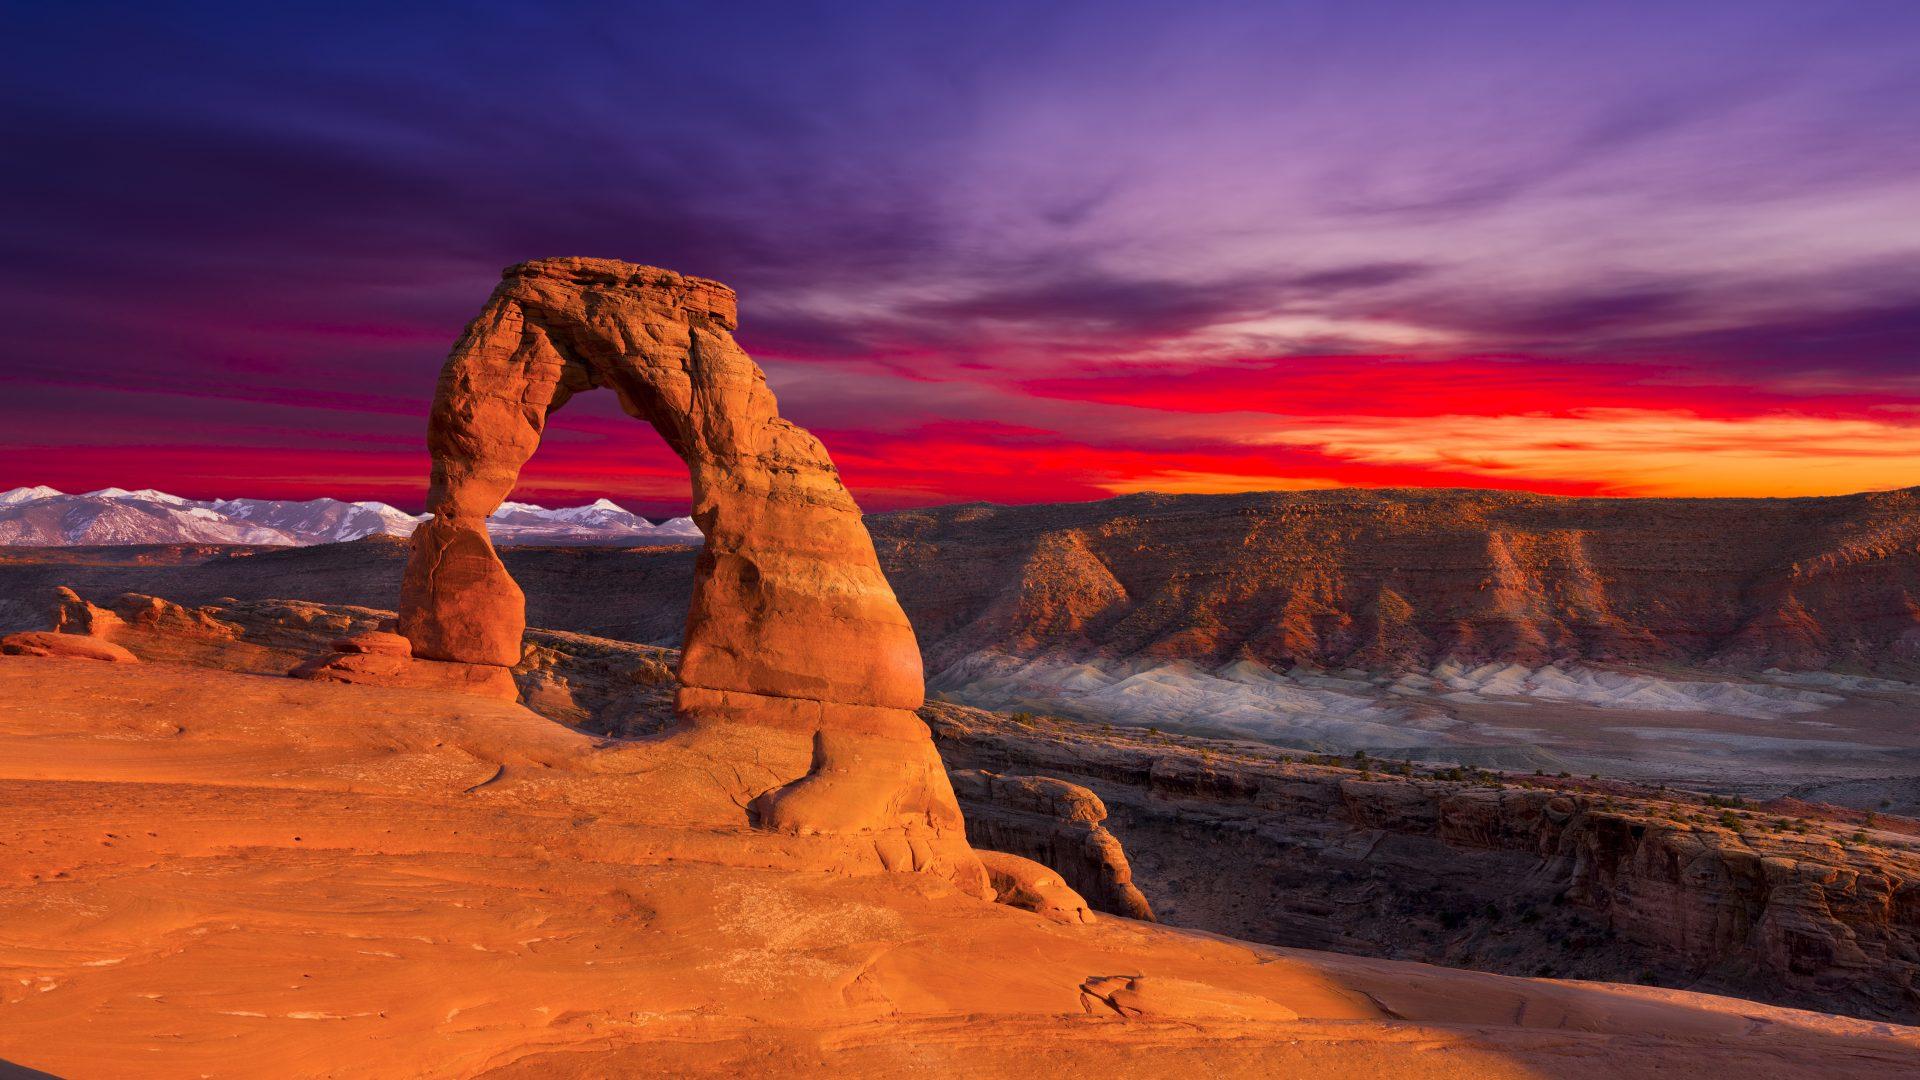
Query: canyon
[(1750, 646), (1515, 872)]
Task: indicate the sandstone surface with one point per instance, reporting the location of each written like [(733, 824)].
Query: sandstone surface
[(1058, 824), (216, 873), (68, 646)]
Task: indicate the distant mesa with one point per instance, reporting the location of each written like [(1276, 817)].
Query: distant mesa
[(46, 517)]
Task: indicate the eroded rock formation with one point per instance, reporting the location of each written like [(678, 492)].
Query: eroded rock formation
[(792, 629), (1057, 824)]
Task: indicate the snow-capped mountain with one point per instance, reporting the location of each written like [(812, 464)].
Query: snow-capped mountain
[(143, 495), (44, 516), (27, 494), (112, 516), (600, 522), (323, 521)]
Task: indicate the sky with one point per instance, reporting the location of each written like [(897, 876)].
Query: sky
[(987, 252)]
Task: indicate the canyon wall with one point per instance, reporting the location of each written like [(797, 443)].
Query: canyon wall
[(1520, 875), (1400, 580), (1380, 580)]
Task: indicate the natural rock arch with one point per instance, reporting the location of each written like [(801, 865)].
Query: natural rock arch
[(792, 628)]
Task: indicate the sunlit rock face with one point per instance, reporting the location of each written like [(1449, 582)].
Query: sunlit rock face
[(792, 625)]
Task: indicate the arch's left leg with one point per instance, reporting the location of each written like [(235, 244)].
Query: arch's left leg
[(457, 602)]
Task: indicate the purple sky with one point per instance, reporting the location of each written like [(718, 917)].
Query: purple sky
[(1009, 251)]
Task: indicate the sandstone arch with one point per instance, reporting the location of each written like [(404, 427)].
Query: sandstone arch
[(793, 628)]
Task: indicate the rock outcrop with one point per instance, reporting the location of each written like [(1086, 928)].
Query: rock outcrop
[(64, 647), (1055, 823), (1511, 873), (792, 628), (1033, 886)]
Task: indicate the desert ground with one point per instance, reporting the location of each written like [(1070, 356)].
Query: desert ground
[(210, 873)]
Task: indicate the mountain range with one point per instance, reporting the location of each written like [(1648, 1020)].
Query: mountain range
[(46, 517)]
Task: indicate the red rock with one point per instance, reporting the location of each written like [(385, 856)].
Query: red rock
[(64, 646), (792, 627), (1031, 886), (73, 615), (389, 669), (376, 642), (1057, 824)]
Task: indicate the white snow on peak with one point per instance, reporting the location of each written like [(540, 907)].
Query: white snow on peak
[(28, 494), (143, 495), (159, 517)]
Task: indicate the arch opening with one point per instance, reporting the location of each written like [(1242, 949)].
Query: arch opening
[(792, 626)]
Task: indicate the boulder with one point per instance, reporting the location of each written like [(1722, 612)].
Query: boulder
[(1031, 886), (64, 646)]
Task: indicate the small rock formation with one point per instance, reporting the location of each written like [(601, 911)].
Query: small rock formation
[(73, 615), (1055, 823), (1031, 886), (793, 629), (64, 646), (386, 659)]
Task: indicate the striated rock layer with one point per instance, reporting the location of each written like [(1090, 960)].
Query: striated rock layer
[(792, 625), (1402, 580)]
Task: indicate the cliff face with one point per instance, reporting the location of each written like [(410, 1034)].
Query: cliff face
[(1386, 580), (1522, 875)]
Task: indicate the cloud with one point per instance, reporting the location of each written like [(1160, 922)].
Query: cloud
[(1634, 451)]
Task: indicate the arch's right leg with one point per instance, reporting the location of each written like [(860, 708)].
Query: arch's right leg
[(457, 602)]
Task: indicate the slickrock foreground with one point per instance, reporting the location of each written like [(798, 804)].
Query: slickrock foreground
[(212, 873)]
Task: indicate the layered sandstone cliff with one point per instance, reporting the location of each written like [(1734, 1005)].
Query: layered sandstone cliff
[(1403, 580), (1507, 872)]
